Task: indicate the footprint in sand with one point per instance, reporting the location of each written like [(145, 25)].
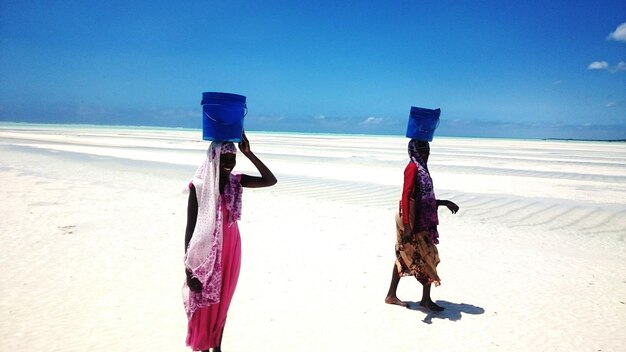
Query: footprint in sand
[(67, 230)]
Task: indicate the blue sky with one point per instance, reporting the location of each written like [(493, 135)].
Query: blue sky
[(528, 69)]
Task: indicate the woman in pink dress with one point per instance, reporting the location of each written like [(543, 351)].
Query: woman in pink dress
[(212, 242)]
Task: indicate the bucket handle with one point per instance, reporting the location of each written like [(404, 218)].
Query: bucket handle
[(214, 120)]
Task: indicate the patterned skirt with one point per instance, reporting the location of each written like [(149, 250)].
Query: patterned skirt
[(418, 257)]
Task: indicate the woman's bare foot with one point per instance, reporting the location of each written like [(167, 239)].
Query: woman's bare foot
[(395, 300), (432, 306)]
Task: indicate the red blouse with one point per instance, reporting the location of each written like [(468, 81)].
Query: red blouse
[(410, 172)]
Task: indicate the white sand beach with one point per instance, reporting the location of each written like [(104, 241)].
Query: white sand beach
[(92, 227)]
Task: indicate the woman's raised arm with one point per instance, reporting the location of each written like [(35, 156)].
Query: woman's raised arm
[(267, 177)]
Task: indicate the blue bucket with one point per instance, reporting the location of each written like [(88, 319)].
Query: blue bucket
[(422, 123), (222, 116)]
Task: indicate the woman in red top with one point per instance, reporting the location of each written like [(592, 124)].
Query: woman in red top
[(416, 228)]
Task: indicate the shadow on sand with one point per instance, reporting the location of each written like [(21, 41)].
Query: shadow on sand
[(452, 311)]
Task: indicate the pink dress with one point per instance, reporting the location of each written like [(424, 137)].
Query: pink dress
[(205, 327)]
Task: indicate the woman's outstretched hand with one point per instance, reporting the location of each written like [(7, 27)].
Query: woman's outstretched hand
[(452, 206)]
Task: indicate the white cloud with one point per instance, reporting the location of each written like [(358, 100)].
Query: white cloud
[(558, 82), (268, 118), (603, 65), (598, 65), (320, 118), (619, 67), (619, 34), (372, 120), (611, 104)]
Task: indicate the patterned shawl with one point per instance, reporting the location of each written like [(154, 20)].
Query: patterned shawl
[(204, 252), (426, 218)]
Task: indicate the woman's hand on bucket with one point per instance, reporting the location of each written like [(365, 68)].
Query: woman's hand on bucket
[(267, 177), (244, 145)]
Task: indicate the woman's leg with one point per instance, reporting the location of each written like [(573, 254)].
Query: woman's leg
[(218, 348), (393, 286), (427, 301)]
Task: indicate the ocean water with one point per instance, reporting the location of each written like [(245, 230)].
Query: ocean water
[(571, 186)]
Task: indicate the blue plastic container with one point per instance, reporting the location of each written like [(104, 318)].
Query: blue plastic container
[(422, 123), (222, 116)]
